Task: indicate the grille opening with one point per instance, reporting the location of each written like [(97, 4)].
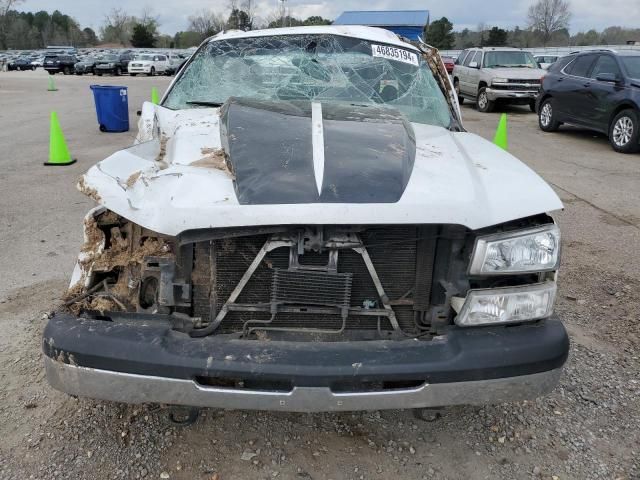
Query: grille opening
[(232, 383), (355, 386)]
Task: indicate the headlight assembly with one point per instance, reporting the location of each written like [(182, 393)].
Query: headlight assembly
[(507, 305), (500, 80), (521, 251)]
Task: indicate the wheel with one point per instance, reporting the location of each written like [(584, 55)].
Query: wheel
[(103, 128), (152, 72), (624, 131), (51, 72), (456, 87), (483, 104), (132, 74), (118, 71), (99, 74), (547, 117), (532, 105), (66, 71)]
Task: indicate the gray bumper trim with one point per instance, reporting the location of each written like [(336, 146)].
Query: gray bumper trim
[(497, 94), (132, 388)]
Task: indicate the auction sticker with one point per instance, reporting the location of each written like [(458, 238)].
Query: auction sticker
[(394, 53)]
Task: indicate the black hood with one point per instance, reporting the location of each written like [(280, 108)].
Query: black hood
[(369, 152)]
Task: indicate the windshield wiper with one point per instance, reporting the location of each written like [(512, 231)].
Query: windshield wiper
[(205, 104)]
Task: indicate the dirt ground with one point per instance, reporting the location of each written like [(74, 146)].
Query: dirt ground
[(588, 428)]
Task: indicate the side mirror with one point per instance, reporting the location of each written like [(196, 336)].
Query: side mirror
[(473, 65), (607, 77)]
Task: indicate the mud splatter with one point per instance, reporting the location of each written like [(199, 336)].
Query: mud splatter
[(88, 191), (133, 178), (215, 158)]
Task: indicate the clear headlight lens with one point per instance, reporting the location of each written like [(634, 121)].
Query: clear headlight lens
[(499, 80), (507, 305), (521, 251)]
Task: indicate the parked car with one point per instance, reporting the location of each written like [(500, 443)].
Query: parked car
[(112, 63), (20, 63), (176, 62), (86, 65), (277, 239), (149, 64), (37, 62), (449, 63), (491, 75), (599, 90), (57, 63), (545, 61)]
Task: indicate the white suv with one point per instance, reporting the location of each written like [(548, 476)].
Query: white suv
[(149, 64)]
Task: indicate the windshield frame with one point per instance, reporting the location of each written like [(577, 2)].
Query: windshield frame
[(453, 120)]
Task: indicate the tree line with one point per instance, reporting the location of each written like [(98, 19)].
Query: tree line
[(547, 24)]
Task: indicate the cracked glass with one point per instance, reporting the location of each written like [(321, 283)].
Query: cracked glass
[(319, 68)]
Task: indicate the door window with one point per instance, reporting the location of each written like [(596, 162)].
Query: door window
[(470, 57), (581, 66), (605, 64), (461, 57)]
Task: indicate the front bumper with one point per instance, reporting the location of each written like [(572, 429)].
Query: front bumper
[(498, 94), (143, 360), (139, 69)]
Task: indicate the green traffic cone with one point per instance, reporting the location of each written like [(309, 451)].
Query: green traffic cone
[(501, 133), (58, 152), (52, 85), (155, 98)]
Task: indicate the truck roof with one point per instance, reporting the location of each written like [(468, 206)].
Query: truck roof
[(372, 34)]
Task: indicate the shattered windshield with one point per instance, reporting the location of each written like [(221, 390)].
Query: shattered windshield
[(321, 68)]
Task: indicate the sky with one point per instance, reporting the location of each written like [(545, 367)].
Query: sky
[(173, 14)]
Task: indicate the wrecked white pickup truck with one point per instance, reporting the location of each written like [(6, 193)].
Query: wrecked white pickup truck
[(303, 224)]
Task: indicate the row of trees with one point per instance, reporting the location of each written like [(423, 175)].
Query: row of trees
[(27, 30), (547, 24)]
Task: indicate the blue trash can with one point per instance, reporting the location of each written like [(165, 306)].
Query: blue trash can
[(112, 107)]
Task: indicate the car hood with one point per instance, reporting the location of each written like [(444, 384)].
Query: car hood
[(142, 62), (518, 73), (213, 168)]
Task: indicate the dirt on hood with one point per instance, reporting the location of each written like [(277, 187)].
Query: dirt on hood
[(215, 158)]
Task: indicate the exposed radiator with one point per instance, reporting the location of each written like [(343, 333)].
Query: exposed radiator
[(393, 251)]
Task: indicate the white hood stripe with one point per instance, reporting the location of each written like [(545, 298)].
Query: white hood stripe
[(317, 137)]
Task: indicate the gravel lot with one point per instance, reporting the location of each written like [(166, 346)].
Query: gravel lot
[(588, 428)]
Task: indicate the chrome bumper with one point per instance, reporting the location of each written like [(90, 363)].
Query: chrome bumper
[(132, 388), (497, 94)]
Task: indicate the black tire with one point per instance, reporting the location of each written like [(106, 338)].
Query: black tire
[(532, 105), (51, 72), (103, 128), (66, 71), (152, 72), (483, 104), (118, 71), (624, 131), (99, 74), (547, 116), (456, 87), (132, 74)]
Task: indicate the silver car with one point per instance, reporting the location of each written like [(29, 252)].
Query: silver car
[(488, 75)]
